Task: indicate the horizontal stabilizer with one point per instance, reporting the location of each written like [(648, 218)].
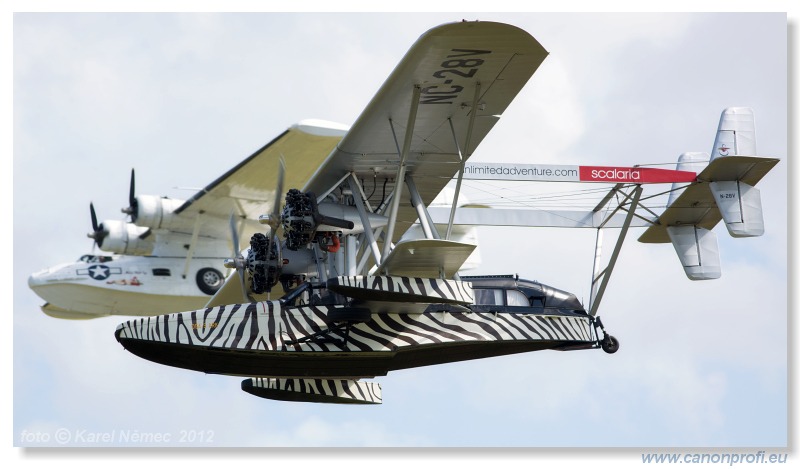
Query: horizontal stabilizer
[(724, 190), (331, 391), (697, 250), (697, 205)]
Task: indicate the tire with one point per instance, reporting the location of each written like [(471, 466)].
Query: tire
[(610, 344), (349, 314), (209, 280)]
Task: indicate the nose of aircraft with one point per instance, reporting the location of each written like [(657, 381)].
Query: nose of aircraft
[(37, 279), (52, 275), (44, 281)]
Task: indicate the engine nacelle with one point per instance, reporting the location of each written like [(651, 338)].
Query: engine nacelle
[(156, 212), (302, 219), (125, 238)]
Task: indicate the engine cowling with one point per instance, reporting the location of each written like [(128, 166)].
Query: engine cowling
[(125, 238), (157, 213)]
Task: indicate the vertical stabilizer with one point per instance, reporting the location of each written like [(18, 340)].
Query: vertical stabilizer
[(738, 202), (736, 134), (690, 161), (740, 206), (724, 191), (698, 251)]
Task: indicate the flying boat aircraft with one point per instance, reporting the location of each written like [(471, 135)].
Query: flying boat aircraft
[(170, 255), (375, 301)]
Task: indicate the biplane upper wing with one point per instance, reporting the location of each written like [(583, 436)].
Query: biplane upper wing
[(432, 112), (248, 189)]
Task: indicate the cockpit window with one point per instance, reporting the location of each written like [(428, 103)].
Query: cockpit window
[(516, 298), (489, 296), (92, 259)]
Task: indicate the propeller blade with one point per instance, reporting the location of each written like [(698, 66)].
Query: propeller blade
[(132, 191), (234, 235), (275, 216), (98, 231), (94, 216), (245, 293), (133, 206), (238, 260), (270, 240)]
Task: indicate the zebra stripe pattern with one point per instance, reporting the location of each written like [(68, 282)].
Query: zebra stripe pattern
[(339, 391), (432, 289), (267, 326)]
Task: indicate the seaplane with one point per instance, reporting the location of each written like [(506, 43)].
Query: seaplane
[(169, 255), (368, 298)]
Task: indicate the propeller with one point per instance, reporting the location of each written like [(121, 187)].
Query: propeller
[(98, 231), (238, 261), (258, 259), (133, 206), (273, 219)]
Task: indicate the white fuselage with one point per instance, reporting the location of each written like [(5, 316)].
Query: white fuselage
[(124, 285)]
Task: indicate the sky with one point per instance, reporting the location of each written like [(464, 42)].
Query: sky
[(185, 97)]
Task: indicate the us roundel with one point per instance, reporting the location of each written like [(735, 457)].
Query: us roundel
[(99, 272)]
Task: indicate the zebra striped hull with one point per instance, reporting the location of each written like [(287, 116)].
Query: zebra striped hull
[(403, 289), (266, 340)]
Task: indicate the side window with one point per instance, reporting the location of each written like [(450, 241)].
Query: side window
[(489, 296), (517, 298), (161, 272)]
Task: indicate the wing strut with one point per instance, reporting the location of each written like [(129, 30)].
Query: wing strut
[(362, 212), (192, 244), (425, 220), (471, 125), (598, 291), (401, 168)]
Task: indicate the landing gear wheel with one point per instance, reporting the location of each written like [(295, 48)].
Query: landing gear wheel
[(209, 280), (610, 344)]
